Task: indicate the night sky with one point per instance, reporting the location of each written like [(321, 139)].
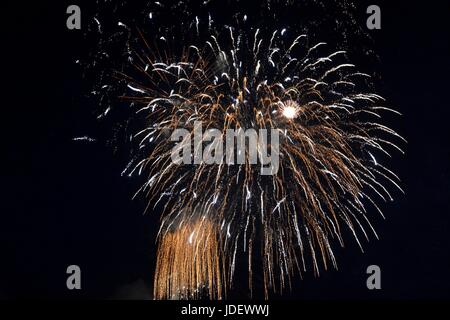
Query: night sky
[(66, 202)]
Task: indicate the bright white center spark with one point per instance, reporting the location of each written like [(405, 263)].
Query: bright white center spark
[(290, 109), (289, 112)]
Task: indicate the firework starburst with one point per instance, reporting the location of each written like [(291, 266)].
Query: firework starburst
[(328, 180)]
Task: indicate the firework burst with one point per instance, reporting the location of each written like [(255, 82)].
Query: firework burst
[(328, 180)]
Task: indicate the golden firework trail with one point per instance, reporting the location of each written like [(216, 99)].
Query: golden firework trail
[(190, 262)]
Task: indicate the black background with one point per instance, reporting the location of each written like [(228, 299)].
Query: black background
[(66, 203)]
